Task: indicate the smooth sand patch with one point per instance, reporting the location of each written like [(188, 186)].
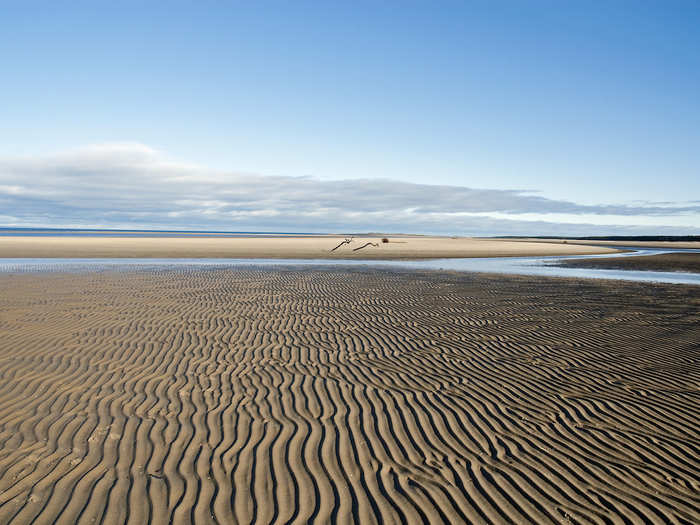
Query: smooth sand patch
[(612, 244), (404, 247), (237, 395)]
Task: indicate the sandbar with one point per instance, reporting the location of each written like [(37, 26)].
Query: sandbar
[(401, 247), (619, 244)]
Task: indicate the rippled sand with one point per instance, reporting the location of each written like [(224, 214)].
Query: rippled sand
[(251, 395)]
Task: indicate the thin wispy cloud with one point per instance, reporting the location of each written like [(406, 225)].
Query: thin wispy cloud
[(132, 185)]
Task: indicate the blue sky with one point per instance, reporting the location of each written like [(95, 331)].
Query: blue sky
[(488, 117)]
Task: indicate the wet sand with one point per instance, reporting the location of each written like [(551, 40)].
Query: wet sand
[(400, 247), (667, 262), (249, 395)]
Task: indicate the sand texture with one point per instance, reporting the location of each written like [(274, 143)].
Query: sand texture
[(306, 395), (633, 244), (404, 247), (667, 262)]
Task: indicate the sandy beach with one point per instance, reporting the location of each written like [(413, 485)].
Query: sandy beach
[(295, 395), (402, 247), (619, 244)]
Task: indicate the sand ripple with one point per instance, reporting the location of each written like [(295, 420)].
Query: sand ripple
[(275, 396)]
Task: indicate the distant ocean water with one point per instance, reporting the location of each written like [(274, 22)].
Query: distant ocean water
[(74, 232)]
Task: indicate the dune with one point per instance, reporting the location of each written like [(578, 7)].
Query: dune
[(316, 247), (241, 395)]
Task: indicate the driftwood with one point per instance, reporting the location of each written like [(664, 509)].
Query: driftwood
[(347, 240), (365, 246)]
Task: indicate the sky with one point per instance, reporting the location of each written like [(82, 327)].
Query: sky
[(461, 118)]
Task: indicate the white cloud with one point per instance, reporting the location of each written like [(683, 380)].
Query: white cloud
[(131, 185)]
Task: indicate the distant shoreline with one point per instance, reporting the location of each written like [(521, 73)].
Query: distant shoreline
[(621, 244), (146, 233), (619, 238)]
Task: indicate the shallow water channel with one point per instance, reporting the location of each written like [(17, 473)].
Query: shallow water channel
[(543, 266)]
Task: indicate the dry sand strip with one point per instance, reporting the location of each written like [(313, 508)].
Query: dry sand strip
[(619, 244), (403, 247), (244, 395), (666, 262)]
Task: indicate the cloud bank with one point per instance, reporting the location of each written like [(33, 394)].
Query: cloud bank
[(133, 186)]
